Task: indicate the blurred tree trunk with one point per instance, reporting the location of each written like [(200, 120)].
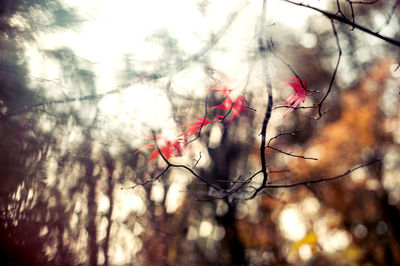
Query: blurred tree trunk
[(91, 182), (231, 242), (110, 188)]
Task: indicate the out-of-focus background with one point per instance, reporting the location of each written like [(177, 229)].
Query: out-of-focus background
[(84, 83)]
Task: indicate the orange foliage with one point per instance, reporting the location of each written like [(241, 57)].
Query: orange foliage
[(348, 141)]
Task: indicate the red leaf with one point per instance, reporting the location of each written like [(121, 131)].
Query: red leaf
[(196, 126), (167, 147), (234, 102), (299, 95)]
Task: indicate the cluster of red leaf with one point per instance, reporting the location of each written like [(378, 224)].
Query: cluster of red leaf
[(233, 102)]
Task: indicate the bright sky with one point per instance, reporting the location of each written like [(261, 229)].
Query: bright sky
[(112, 30)]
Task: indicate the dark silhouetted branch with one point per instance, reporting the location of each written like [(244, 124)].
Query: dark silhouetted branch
[(348, 22), (334, 71), (262, 47), (320, 180)]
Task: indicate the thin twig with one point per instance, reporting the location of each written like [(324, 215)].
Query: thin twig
[(291, 154), (148, 181), (284, 152), (297, 107), (274, 198), (290, 67), (307, 183), (389, 18), (169, 164), (320, 180), (292, 133), (334, 71), (202, 124), (363, 2), (197, 161)]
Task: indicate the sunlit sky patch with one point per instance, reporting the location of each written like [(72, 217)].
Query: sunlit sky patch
[(112, 30)]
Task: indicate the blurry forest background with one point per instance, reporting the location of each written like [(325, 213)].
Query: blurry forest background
[(83, 83)]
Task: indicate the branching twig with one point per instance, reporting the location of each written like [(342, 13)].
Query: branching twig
[(307, 183), (237, 188), (292, 133), (334, 71), (148, 181), (181, 166), (348, 22), (320, 180), (287, 153)]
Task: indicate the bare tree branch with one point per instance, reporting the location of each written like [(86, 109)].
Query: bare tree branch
[(348, 22), (262, 49), (320, 180), (307, 183)]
